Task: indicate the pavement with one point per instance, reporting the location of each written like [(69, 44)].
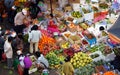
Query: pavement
[(5, 71)]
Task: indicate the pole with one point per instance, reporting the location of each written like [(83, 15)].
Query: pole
[(51, 6)]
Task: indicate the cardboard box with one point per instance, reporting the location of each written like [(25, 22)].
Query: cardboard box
[(74, 39), (74, 1), (100, 69), (68, 8)]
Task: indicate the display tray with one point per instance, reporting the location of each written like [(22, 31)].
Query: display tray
[(32, 70), (100, 57), (66, 34)]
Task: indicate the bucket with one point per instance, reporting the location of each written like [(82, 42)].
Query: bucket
[(45, 72)]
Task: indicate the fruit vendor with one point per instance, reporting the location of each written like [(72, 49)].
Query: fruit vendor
[(41, 62), (68, 67)]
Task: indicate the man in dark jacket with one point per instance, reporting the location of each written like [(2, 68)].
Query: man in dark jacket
[(34, 10), (1, 45)]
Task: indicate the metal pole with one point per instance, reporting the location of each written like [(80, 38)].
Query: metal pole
[(51, 6)]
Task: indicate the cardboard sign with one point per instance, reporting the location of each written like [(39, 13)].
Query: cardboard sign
[(76, 6), (95, 0)]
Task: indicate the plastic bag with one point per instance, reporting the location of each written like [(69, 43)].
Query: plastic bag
[(4, 56)]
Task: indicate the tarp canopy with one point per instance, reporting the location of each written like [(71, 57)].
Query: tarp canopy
[(115, 29)]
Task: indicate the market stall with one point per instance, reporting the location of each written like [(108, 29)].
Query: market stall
[(82, 32)]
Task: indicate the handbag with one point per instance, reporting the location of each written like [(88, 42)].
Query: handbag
[(4, 56)]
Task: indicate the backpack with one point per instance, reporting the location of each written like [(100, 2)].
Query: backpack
[(27, 62), (16, 63)]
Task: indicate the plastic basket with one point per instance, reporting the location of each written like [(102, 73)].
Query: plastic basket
[(101, 57)]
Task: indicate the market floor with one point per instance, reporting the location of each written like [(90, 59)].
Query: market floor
[(5, 71), (3, 68)]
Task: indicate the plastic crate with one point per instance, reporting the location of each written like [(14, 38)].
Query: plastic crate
[(100, 69), (101, 57)]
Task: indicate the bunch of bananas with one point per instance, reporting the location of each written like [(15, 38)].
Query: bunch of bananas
[(22, 1)]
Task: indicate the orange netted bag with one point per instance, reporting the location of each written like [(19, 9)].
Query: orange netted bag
[(109, 73)]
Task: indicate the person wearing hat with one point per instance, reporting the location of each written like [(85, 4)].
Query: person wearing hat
[(19, 21), (68, 67)]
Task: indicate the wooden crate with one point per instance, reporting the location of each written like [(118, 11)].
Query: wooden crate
[(68, 8), (100, 69), (74, 1)]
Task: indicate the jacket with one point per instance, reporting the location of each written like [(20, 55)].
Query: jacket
[(8, 49), (27, 62), (34, 36)]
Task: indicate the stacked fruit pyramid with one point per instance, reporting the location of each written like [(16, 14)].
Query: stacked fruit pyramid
[(54, 60), (80, 59)]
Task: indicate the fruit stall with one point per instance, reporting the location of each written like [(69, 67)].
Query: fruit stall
[(83, 35)]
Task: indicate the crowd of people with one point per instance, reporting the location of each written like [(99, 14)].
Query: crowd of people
[(31, 11)]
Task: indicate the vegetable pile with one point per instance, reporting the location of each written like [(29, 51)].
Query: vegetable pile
[(80, 59)]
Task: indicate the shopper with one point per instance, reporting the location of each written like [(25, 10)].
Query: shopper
[(67, 67), (9, 52), (11, 14), (2, 10), (42, 5), (52, 20), (2, 40), (8, 3), (19, 21), (27, 64), (34, 37), (21, 57), (34, 10), (41, 62)]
